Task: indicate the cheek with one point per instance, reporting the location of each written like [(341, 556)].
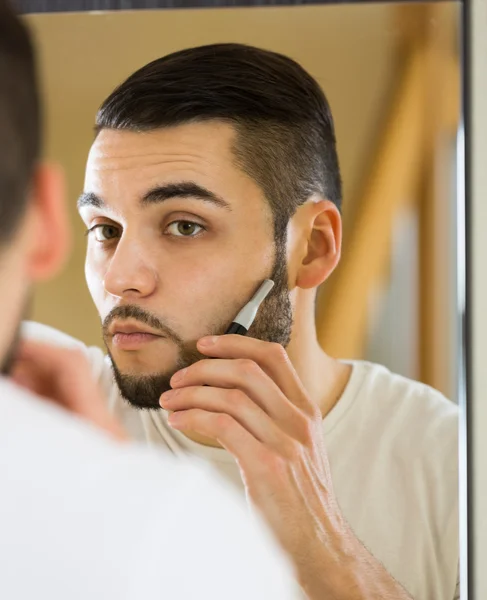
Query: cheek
[(193, 287), (195, 275), (201, 296), (94, 273)]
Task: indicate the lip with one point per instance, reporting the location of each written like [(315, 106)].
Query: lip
[(133, 341), (130, 328)]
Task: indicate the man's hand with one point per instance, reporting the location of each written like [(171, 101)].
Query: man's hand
[(249, 398), (63, 376)]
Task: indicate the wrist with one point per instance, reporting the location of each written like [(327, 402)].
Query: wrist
[(349, 572), (338, 569)]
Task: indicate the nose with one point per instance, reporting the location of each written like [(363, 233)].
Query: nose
[(131, 272)]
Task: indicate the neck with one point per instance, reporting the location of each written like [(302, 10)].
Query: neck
[(323, 377)]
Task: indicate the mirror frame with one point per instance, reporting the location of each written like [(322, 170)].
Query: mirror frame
[(42, 6), (471, 247)]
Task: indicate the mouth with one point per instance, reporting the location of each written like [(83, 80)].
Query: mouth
[(131, 336)]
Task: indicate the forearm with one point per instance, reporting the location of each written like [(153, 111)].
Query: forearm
[(345, 570)]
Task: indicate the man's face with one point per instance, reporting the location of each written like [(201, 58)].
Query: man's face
[(180, 240)]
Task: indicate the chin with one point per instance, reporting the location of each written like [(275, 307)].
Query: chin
[(142, 390), (138, 367)]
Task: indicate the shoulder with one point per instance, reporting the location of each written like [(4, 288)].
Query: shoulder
[(398, 397), (140, 504), (229, 543), (414, 430), (406, 437), (34, 430), (417, 420)]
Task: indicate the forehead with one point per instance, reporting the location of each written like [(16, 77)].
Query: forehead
[(123, 165), (205, 148)]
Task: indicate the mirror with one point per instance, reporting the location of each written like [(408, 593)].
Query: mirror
[(392, 75), (366, 92)]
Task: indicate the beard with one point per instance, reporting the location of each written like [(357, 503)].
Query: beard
[(273, 323)]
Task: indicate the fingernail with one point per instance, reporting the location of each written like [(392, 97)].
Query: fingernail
[(177, 377), (173, 419), (208, 341), (167, 397)]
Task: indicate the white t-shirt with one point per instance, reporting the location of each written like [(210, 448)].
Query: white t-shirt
[(83, 517), (393, 452)]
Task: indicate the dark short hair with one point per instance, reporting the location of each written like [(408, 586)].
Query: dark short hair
[(20, 135), (285, 133)]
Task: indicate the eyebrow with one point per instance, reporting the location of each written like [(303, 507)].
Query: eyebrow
[(161, 193)]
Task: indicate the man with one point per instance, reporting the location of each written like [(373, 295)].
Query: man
[(212, 169), (82, 514)]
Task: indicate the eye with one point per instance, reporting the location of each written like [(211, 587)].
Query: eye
[(103, 232), (184, 228)]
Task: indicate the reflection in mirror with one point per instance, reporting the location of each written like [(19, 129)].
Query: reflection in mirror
[(391, 76)]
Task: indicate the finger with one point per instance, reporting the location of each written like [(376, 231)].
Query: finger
[(241, 374), (63, 376), (61, 373), (234, 403), (271, 357), (226, 430), (21, 375), (30, 373)]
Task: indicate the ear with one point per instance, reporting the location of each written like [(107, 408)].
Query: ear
[(49, 235), (321, 226)]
